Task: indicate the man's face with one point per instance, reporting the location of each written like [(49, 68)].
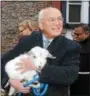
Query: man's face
[(52, 24), (79, 34)]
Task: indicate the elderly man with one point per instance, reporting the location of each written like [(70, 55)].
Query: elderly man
[(59, 73)]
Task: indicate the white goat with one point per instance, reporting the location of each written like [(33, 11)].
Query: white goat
[(39, 57)]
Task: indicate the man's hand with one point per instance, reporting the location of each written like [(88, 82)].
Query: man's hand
[(25, 64), (18, 86)]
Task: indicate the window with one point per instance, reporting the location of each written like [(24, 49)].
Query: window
[(73, 12)]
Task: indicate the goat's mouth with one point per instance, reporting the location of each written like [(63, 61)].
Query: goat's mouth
[(23, 80), (39, 67)]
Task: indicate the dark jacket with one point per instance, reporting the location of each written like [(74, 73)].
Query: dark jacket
[(59, 73), (81, 85), (85, 55)]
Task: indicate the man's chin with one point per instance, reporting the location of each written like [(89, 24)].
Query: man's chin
[(55, 35)]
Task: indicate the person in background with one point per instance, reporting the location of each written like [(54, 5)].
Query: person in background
[(81, 34), (26, 27), (59, 73)]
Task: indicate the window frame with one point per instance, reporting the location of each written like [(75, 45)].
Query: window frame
[(67, 12)]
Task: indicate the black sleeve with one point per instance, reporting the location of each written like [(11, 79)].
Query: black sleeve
[(65, 74)]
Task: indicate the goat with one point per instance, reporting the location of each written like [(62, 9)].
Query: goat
[(38, 56)]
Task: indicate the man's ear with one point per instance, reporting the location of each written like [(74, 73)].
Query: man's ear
[(88, 33), (41, 25)]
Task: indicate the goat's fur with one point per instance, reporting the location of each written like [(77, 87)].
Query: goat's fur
[(38, 56)]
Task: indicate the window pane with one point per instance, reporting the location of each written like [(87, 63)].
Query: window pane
[(74, 13), (74, 1)]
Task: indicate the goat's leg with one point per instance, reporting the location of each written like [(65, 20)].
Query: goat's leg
[(11, 91)]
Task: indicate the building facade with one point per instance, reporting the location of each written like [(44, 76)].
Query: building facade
[(75, 12)]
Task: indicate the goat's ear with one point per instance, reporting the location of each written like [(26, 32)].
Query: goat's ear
[(51, 56), (30, 53)]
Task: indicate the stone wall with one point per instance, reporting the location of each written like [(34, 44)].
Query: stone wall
[(12, 12)]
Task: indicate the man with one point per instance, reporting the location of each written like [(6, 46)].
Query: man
[(59, 73), (81, 34)]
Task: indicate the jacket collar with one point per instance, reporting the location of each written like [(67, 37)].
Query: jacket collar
[(54, 44)]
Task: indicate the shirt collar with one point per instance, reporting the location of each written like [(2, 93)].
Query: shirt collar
[(44, 39)]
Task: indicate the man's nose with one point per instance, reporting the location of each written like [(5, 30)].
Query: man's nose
[(57, 22)]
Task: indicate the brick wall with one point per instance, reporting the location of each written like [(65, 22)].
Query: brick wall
[(12, 12)]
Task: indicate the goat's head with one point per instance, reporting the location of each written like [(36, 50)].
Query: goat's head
[(40, 56)]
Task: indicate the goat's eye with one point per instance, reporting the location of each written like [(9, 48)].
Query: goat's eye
[(34, 56)]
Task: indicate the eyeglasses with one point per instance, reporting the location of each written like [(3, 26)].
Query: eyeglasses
[(52, 19), (24, 28), (76, 34)]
